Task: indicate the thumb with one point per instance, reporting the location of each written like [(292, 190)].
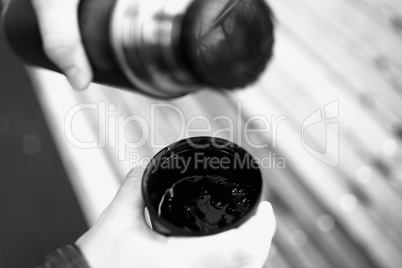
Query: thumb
[(59, 27), (129, 197)]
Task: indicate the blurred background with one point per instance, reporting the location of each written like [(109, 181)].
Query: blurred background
[(38, 209), (336, 84)]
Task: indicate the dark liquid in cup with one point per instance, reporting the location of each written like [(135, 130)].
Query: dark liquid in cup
[(205, 203)]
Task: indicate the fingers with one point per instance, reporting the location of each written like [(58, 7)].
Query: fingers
[(58, 23), (246, 246), (257, 234)]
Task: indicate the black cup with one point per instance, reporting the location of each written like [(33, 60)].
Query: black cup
[(201, 186)]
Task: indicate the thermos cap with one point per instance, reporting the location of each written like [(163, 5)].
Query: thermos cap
[(228, 42), (168, 48)]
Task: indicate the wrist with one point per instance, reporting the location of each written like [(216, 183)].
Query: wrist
[(94, 253)]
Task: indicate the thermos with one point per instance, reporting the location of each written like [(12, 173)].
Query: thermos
[(162, 48)]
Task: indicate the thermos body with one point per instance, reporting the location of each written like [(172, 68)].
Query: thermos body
[(161, 48), (102, 25)]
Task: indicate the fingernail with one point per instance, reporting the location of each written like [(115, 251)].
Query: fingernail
[(78, 79), (147, 217)]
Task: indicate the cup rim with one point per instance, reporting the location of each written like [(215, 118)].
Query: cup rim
[(181, 145)]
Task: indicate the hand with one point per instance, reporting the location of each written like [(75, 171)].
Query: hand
[(58, 23), (121, 238)]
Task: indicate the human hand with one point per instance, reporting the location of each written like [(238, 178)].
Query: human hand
[(58, 24), (121, 238)]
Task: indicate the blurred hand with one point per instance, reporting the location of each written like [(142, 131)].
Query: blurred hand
[(58, 23), (121, 238)]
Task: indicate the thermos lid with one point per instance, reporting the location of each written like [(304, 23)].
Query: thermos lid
[(168, 48), (228, 42)]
